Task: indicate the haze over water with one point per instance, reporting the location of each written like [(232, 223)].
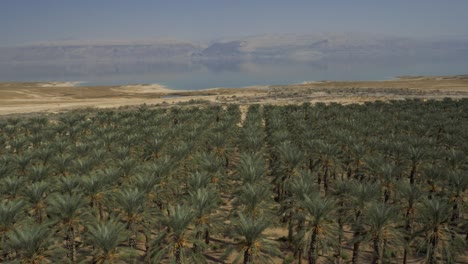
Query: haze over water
[(225, 74), (223, 43)]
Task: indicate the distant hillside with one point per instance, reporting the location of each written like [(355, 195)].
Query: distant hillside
[(311, 47), (345, 46), (100, 51)]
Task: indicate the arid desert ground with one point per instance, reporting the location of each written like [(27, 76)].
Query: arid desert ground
[(33, 97)]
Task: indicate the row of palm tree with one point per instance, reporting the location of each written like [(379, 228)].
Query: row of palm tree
[(383, 182)]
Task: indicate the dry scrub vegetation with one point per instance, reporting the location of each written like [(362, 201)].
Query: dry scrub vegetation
[(54, 97)]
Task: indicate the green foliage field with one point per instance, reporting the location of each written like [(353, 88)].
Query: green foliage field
[(382, 182)]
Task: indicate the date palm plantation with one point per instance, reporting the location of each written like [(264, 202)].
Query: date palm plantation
[(381, 182)]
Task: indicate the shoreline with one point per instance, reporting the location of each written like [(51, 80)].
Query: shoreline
[(52, 97)]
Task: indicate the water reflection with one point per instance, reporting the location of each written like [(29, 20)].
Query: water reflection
[(199, 74)]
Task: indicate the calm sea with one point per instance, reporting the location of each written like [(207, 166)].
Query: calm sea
[(210, 74)]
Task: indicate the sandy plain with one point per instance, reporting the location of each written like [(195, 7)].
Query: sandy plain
[(33, 97)]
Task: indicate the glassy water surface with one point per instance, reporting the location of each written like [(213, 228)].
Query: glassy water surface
[(210, 74)]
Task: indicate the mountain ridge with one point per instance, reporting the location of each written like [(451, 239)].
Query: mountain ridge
[(302, 47)]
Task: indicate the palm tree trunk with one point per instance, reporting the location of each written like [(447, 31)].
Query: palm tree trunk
[(455, 211), (38, 215), (340, 238), (313, 246), (386, 195), (226, 162), (433, 244), (376, 255), (356, 246), (412, 174), (405, 256), (298, 249), (147, 242), (349, 172), (408, 230), (247, 256), (325, 180), (382, 251), (357, 172), (207, 237), (132, 238), (72, 245), (177, 254), (290, 228)]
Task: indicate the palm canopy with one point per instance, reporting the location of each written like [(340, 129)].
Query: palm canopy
[(254, 246), (106, 237), (32, 242), (321, 225), (439, 240), (10, 213), (176, 242), (66, 208), (381, 229)]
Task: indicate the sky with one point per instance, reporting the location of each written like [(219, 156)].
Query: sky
[(33, 21)]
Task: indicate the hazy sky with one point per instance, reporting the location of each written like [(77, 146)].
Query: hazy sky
[(26, 21)]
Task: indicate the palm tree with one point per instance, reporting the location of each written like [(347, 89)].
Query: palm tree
[(105, 237), (457, 185), (62, 162), (67, 210), (38, 173), (416, 155), (386, 172), (94, 188), (11, 187), (132, 203), (409, 195), (211, 164), (439, 239), (322, 227), (303, 184), (253, 200), (31, 242), (127, 166), (252, 141), (10, 213), (361, 195), (204, 201), (23, 160), (176, 240), (82, 166), (434, 176), (290, 157), (328, 159), (69, 185), (5, 165), (35, 194), (217, 141), (251, 168), (340, 192), (381, 229), (152, 148), (254, 246), (198, 180)]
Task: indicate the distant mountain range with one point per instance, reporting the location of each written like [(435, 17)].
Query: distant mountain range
[(313, 47)]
